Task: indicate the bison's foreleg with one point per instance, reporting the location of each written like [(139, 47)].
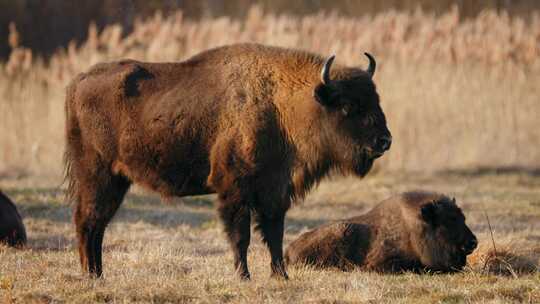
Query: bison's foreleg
[(236, 218), (98, 199), (271, 229)]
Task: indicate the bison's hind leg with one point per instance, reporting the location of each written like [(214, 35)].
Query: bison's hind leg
[(236, 217), (271, 229), (99, 194)]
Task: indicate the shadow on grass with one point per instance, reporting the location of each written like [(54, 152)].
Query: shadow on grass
[(486, 170), (164, 217), (154, 200), (57, 242), (48, 204), (295, 225), (196, 211)]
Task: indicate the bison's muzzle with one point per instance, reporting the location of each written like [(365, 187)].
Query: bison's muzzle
[(381, 145)]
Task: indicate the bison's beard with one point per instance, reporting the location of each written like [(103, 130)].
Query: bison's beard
[(460, 260), (362, 163), (455, 262), (456, 265)]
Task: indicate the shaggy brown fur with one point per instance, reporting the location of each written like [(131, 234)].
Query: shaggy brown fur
[(254, 124), (414, 231), (12, 230)]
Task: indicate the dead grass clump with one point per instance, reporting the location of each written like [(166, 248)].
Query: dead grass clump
[(508, 263), (509, 259)]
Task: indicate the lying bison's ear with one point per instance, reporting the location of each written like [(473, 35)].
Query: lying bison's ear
[(429, 214)]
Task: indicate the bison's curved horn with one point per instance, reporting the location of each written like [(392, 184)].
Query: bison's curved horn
[(372, 64), (325, 72)]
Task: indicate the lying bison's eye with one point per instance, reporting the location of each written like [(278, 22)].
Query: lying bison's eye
[(368, 120)]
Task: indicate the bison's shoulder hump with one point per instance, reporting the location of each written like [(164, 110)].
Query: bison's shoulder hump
[(131, 78), (123, 77)]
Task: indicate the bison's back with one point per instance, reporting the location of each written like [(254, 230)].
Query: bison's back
[(340, 245), (158, 123), (369, 241), (142, 121), (396, 237), (216, 89)]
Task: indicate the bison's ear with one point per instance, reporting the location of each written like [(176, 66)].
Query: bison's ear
[(430, 214), (325, 92), (325, 95)]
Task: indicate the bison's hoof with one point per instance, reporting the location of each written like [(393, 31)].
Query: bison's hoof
[(244, 276), (93, 275)]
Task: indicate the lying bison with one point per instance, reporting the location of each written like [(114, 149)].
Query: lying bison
[(415, 231), (12, 230), (258, 125)]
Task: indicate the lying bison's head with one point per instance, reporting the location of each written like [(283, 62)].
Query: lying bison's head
[(352, 108), (446, 239)]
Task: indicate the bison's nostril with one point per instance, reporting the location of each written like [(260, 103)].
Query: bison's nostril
[(384, 143), (470, 246)]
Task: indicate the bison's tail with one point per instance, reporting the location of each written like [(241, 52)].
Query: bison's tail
[(73, 140), (68, 176)]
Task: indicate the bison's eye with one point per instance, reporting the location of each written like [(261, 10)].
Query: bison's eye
[(349, 109), (368, 120)]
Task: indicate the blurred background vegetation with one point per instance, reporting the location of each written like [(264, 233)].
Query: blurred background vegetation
[(459, 80), (46, 25)]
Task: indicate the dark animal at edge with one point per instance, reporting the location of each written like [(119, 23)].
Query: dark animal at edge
[(12, 231), (258, 125), (415, 231)]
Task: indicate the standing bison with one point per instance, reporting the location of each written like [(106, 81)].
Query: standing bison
[(258, 125), (12, 230), (413, 231)]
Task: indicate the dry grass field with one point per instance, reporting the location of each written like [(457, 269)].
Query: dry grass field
[(176, 252), (462, 101)]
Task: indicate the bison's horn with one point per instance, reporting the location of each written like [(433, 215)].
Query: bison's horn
[(325, 72), (372, 65)]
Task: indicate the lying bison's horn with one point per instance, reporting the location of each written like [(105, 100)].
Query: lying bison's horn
[(325, 72), (372, 65)]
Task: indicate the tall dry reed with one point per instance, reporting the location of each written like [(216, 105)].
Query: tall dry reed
[(457, 94)]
